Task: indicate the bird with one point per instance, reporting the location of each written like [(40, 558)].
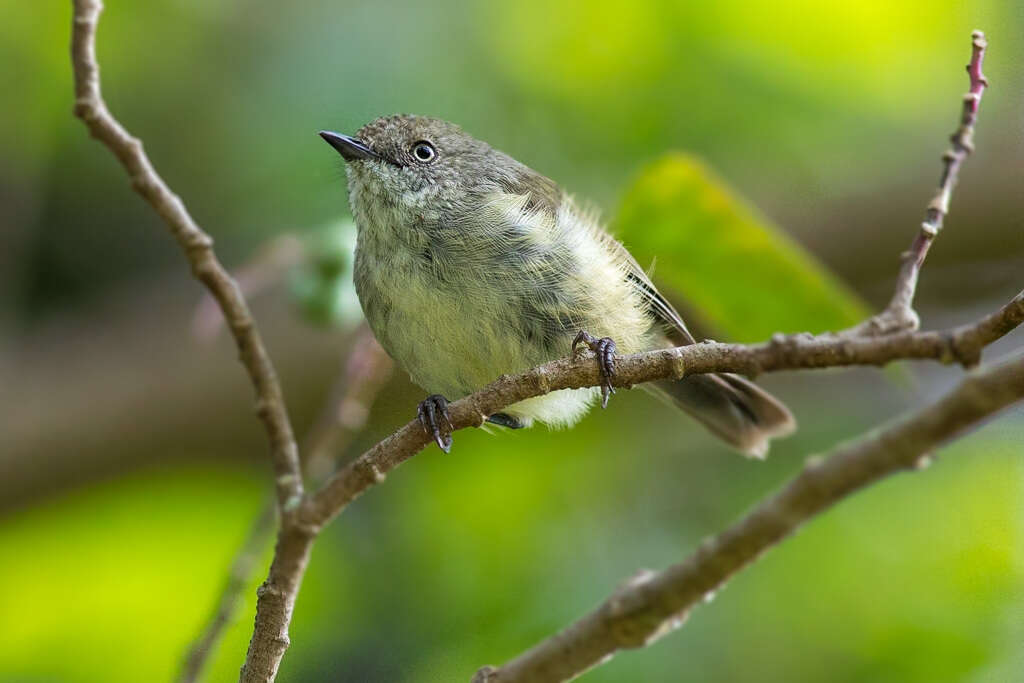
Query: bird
[(469, 265)]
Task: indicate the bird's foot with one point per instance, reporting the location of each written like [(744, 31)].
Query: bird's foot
[(430, 412), (506, 420), (604, 348)]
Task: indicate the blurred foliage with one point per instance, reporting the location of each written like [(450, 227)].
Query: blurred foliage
[(907, 581), (743, 276), (845, 97), (322, 283), (137, 561)]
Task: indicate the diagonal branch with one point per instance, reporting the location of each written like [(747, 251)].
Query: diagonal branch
[(197, 245), (962, 344), (900, 314), (875, 342), (653, 604), (277, 597), (366, 370)]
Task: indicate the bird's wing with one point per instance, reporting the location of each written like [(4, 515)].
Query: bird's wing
[(662, 310), (544, 194)]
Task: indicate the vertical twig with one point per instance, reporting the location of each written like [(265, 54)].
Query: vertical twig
[(197, 245), (345, 412), (241, 572), (277, 595), (275, 602), (900, 314)]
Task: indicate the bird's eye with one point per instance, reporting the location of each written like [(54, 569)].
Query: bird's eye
[(424, 151)]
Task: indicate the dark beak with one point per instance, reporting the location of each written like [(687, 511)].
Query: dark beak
[(349, 148)]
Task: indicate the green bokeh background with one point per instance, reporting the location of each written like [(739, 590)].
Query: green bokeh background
[(131, 463)]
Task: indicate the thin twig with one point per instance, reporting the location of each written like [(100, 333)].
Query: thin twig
[(197, 245), (277, 594), (900, 314), (367, 369), (655, 603)]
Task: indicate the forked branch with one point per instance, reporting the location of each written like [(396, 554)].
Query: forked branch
[(962, 344)]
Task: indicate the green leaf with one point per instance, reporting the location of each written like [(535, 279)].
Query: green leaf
[(322, 285), (745, 277)]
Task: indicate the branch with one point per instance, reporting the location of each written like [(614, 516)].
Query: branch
[(861, 345), (268, 267), (900, 314), (270, 637), (962, 344), (277, 595), (275, 602), (366, 370), (197, 245), (653, 604), (238, 578)]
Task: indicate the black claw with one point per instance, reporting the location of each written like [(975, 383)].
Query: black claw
[(604, 349), (506, 420), (427, 412)]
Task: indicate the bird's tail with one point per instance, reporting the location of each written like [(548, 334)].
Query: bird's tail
[(733, 409)]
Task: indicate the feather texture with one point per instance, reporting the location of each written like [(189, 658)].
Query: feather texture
[(475, 265)]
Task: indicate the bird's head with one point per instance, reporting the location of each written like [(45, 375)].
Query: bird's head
[(421, 166)]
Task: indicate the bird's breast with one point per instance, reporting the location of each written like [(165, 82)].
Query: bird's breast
[(449, 331), (461, 303)]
